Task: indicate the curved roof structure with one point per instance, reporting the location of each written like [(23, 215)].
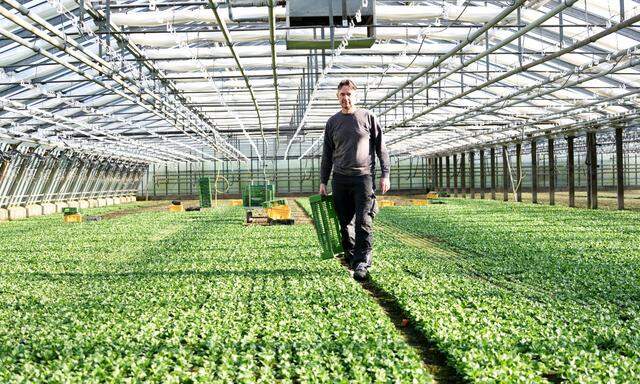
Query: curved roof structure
[(164, 81)]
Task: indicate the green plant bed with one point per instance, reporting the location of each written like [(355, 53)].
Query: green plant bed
[(519, 293), (192, 297)]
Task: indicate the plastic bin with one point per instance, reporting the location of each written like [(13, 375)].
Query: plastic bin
[(204, 184), (73, 218), (255, 195), (327, 225)]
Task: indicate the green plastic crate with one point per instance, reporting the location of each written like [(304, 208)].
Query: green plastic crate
[(273, 203), (255, 195), (69, 210), (205, 192), (327, 225)]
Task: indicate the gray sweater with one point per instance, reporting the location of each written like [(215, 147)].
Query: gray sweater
[(349, 147)]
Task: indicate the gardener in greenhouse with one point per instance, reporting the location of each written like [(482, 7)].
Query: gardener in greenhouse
[(352, 140)]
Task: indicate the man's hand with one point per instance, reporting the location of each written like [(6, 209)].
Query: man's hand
[(385, 184), (323, 189)]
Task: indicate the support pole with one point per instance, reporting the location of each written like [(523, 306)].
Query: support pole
[(482, 174), (430, 173), (592, 166), (434, 172), (493, 173), (534, 171), (619, 167), (448, 165), (571, 176), (518, 179), (455, 175), (552, 171), (440, 173), (505, 175), (463, 175), (472, 175)]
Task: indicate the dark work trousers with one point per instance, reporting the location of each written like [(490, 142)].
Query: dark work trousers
[(354, 200)]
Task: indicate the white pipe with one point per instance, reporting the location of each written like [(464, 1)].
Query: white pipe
[(281, 50), (168, 40), (14, 53), (474, 14), (294, 82), (200, 15), (384, 12), (291, 62), (44, 10)]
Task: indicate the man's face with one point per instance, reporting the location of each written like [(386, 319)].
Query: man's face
[(346, 97)]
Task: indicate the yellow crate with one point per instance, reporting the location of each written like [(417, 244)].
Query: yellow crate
[(280, 212), (176, 208), (74, 218), (235, 203), (418, 202), (386, 203), (432, 195)]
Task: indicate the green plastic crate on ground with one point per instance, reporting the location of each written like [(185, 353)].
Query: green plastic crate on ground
[(255, 195), (205, 192), (327, 225), (273, 203)]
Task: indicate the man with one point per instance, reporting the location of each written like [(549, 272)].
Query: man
[(352, 140)]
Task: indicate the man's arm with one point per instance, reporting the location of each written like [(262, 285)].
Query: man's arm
[(327, 160), (383, 156)]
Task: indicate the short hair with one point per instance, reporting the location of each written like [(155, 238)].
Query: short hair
[(349, 83)]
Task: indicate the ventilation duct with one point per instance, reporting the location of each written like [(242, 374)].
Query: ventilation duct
[(332, 13)]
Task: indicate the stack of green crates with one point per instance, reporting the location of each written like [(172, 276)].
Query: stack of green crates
[(255, 195), (205, 192), (327, 225)]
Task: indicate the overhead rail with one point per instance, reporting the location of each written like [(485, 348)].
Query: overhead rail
[(229, 42), (480, 56), (62, 44), (91, 130), (509, 100), (66, 44), (105, 116), (468, 40), (274, 68), (524, 67), (226, 148)]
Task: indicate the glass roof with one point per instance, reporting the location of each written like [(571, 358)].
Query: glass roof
[(166, 81)]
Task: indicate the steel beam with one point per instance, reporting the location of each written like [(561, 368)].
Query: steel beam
[(482, 174), (448, 174), (505, 174), (619, 168), (472, 175), (463, 173), (534, 171), (592, 171), (552, 171), (492, 153), (518, 180), (455, 175), (571, 180)]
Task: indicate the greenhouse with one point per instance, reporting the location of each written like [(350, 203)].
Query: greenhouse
[(335, 191)]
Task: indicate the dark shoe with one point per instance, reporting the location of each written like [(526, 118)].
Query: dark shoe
[(360, 274), (347, 257)]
